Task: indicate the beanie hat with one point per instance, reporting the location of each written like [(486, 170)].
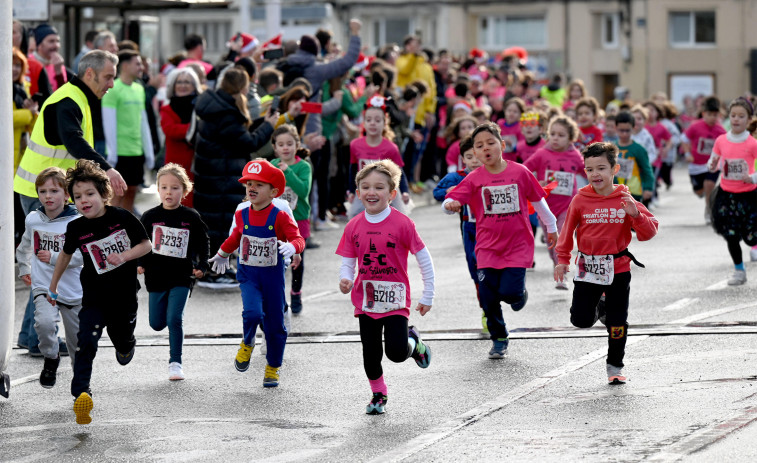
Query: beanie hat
[(42, 31), (309, 44), (263, 171)]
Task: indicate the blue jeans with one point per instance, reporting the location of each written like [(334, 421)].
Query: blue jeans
[(167, 309), (499, 285)]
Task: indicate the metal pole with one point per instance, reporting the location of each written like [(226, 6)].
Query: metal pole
[(7, 276), (272, 18)]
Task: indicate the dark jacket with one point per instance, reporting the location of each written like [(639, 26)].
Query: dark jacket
[(223, 147)]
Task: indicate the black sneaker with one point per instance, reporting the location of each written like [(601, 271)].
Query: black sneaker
[(124, 359), (296, 304), (49, 373), (422, 353), (212, 281), (5, 385), (310, 243), (377, 404), (521, 303)]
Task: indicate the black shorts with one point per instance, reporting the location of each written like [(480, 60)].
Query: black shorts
[(697, 181), (132, 169)]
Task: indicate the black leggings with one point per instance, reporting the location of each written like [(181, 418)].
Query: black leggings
[(394, 328), (297, 275), (734, 248)]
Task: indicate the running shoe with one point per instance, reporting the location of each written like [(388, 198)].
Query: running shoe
[(271, 378), (561, 285), (49, 373), (124, 359), (242, 360), (377, 405), (217, 282), (521, 303), (738, 278), (615, 375), (499, 348), (175, 372), (82, 406), (296, 302), (422, 353), (5, 384)]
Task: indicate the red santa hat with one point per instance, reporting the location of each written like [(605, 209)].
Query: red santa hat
[(362, 62), (276, 41), (249, 42), (462, 104)]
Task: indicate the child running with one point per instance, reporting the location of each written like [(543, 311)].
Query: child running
[(558, 161), (375, 144), (497, 194), (179, 256), (261, 229), (603, 216), (587, 112), (110, 240), (734, 210), (290, 158), (37, 255), (467, 220), (510, 125), (532, 125), (455, 132), (634, 169), (378, 241)]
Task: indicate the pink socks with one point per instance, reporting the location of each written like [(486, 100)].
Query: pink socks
[(378, 385)]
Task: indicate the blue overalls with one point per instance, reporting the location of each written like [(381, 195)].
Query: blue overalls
[(261, 278)]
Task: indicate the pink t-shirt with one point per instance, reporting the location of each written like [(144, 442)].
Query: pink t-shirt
[(562, 166), (362, 154), (381, 287), (735, 160), (588, 136), (500, 204), (702, 138), (525, 151), (454, 157), (659, 133), (511, 135)]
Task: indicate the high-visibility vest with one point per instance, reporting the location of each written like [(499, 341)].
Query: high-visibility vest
[(40, 154)]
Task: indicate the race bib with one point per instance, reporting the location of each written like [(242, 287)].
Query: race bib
[(626, 168), (364, 162), (735, 169), (169, 241), (99, 250), (501, 199), (565, 182), (704, 146), (258, 252), (47, 241), (599, 270), (383, 296), (290, 197)]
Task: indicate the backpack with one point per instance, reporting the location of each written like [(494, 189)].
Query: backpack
[(291, 71)]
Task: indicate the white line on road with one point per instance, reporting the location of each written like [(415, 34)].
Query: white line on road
[(723, 284), (319, 295), (440, 432), (30, 378), (680, 304)]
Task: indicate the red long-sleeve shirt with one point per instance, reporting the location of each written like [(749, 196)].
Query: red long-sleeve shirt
[(603, 227), (286, 229)]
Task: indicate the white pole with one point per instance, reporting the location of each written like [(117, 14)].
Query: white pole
[(272, 18), (7, 275), (244, 16)]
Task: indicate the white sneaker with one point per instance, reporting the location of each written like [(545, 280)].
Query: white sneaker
[(738, 278), (175, 372), (561, 285), (753, 254)]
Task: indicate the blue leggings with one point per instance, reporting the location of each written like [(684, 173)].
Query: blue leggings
[(167, 310)]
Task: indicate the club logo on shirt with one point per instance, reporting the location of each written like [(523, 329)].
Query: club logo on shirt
[(605, 215)]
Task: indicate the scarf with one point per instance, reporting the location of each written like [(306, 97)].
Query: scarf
[(183, 107)]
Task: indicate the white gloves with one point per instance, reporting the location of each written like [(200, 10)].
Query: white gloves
[(219, 264), (286, 249)]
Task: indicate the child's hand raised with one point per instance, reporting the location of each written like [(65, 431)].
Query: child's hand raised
[(423, 308), (345, 285), (629, 204), (453, 206)]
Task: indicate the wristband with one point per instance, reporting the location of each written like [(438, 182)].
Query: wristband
[(53, 296)]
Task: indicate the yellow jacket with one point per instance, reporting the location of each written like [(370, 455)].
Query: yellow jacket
[(414, 67), (23, 122)]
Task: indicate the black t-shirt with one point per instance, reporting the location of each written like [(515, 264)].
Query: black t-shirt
[(116, 231), (179, 244)]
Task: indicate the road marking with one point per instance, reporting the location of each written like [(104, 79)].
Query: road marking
[(31, 378), (717, 286), (319, 295), (680, 304), (444, 430)]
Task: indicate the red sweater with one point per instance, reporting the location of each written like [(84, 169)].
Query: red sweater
[(177, 148), (286, 229), (602, 226)]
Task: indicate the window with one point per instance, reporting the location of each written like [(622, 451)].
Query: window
[(388, 30), (216, 34), (692, 28), (610, 27), (500, 32)]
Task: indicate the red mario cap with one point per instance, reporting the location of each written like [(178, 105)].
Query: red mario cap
[(263, 171)]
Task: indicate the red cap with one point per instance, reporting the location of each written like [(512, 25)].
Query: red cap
[(263, 171), (274, 41)]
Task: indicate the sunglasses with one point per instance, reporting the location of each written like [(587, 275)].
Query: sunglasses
[(529, 122)]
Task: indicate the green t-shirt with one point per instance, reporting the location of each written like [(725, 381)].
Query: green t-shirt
[(635, 170), (299, 179), (129, 102)]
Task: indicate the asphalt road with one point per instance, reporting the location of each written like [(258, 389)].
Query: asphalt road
[(691, 394)]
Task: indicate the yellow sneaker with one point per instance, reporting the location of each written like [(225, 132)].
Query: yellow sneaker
[(82, 406), (242, 361), (271, 378)]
